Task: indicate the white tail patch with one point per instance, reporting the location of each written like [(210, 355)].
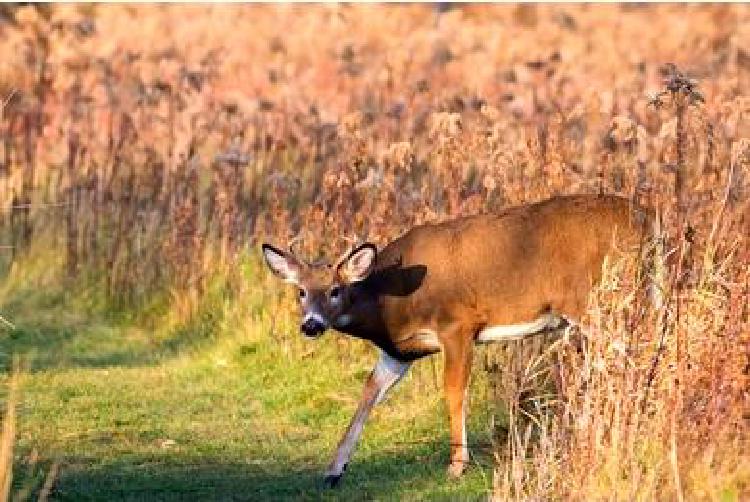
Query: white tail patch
[(547, 321)]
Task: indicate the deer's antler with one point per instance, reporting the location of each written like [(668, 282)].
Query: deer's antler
[(292, 243), (294, 249), (353, 242)]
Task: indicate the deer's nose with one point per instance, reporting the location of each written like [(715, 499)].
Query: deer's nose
[(312, 327)]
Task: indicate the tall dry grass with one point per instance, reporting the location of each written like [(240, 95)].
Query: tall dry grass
[(7, 437), (654, 403), (152, 145), (152, 161)]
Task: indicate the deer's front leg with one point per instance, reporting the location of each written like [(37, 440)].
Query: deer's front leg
[(456, 378), (387, 372)]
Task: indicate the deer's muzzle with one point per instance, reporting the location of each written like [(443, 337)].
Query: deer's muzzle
[(312, 326)]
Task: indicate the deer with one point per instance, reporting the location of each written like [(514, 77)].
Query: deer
[(446, 287)]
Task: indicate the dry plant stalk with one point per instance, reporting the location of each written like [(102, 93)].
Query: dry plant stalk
[(8, 437), (628, 427), (49, 482)]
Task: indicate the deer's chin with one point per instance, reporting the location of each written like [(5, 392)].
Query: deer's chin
[(313, 335)]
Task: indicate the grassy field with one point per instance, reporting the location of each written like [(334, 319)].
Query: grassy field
[(146, 149), (134, 413)]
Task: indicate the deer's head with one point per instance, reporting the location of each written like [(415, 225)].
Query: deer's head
[(326, 292)]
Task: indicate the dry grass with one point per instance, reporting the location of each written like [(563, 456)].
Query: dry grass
[(654, 405), (8, 437), (152, 144)]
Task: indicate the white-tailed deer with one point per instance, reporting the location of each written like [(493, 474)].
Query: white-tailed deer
[(445, 287)]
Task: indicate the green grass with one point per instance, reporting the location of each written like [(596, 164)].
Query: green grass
[(245, 411)]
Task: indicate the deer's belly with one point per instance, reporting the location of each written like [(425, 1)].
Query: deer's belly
[(545, 322)]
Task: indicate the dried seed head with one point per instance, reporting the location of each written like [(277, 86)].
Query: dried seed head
[(400, 155), (445, 124)]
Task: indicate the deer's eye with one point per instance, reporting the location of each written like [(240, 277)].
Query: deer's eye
[(334, 293), (302, 293)]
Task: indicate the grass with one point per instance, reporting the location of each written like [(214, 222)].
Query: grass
[(162, 413), (141, 152)]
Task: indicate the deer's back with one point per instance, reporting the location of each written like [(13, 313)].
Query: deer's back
[(499, 269)]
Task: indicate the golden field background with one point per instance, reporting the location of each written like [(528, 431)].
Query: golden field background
[(153, 148)]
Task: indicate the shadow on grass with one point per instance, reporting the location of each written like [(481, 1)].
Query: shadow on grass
[(43, 347), (91, 343), (57, 328), (413, 473)]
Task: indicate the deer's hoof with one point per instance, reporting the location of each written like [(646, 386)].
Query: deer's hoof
[(456, 469), (332, 480)]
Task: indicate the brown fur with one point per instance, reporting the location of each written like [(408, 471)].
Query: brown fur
[(497, 269)]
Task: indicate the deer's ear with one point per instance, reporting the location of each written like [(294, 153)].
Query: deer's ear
[(282, 264), (357, 264)]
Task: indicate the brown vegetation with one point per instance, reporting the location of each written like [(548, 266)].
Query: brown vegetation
[(156, 143)]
